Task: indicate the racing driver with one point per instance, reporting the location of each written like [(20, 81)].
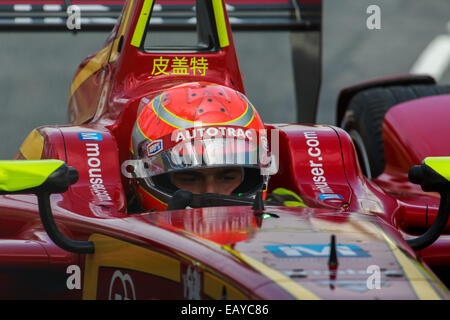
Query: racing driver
[(204, 138)]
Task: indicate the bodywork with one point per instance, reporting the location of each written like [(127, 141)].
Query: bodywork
[(217, 252)]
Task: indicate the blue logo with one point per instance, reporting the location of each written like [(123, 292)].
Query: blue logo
[(90, 136), (328, 196), (316, 250), (154, 147)]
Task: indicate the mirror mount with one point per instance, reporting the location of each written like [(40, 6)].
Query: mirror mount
[(433, 175), (42, 178), (45, 212)]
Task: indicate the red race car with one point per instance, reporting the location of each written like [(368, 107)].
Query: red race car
[(367, 216)]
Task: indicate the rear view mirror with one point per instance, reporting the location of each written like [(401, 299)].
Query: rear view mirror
[(31, 176), (42, 178), (433, 175)]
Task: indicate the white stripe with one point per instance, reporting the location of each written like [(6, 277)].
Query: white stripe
[(103, 20), (23, 20), (229, 7), (435, 58), (156, 20), (98, 20), (53, 20), (235, 20), (92, 7), (22, 7), (52, 7)]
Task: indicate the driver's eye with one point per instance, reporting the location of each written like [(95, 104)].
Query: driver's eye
[(188, 179), (229, 178)]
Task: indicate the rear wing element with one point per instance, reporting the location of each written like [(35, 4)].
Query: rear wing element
[(46, 15)]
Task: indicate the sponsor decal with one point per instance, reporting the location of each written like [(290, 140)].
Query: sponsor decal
[(316, 164), (210, 132), (330, 196), (154, 147), (97, 187), (191, 283), (316, 251), (90, 136), (121, 287), (180, 66)]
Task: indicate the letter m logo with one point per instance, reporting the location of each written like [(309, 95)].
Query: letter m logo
[(90, 136)]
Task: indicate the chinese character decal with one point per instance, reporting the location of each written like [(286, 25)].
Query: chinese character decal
[(180, 66)]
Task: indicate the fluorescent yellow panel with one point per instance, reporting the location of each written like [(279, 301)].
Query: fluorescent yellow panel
[(142, 23), (17, 175), (439, 164), (220, 23)]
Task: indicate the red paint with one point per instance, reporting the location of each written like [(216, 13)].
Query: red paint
[(315, 161)]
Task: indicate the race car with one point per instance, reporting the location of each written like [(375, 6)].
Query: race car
[(375, 188)]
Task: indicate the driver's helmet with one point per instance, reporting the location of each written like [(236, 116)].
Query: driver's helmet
[(194, 126)]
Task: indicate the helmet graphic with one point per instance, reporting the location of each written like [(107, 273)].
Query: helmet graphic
[(191, 126)]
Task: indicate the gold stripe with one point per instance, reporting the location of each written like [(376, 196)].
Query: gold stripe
[(33, 146), (222, 31), (432, 277), (95, 64), (142, 23), (122, 30), (419, 283), (280, 279), (114, 253)]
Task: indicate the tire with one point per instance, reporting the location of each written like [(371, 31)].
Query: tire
[(364, 116)]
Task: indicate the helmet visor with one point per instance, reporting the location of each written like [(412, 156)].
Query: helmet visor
[(201, 153)]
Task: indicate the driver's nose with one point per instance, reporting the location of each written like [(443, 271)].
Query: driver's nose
[(211, 186)]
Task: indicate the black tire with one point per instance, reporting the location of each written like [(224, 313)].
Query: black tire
[(364, 116)]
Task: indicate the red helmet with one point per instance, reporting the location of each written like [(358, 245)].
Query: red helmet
[(194, 126)]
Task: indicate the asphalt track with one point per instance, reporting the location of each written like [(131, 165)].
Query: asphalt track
[(36, 68)]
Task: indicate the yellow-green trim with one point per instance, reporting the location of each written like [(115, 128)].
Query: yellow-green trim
[(439, 164), (142, 23), (220, 23), (193, 123), (283, 192), (142, 132), (18, 175)]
